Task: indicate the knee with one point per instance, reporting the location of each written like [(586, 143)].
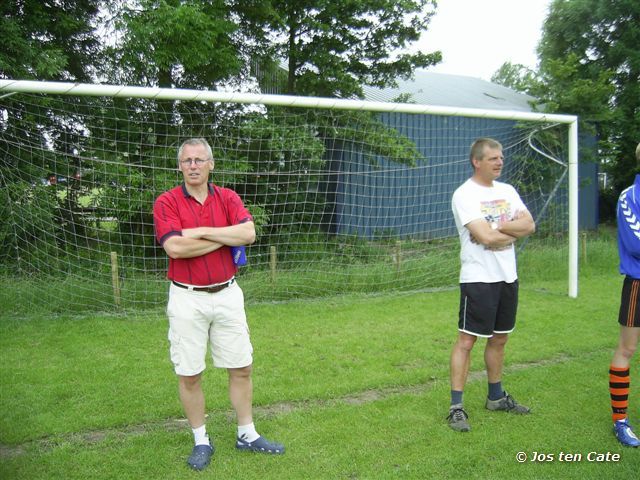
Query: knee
[(190, 382), (498, 341), (241, 373), (627, 343), (466, 342), (626, 351)]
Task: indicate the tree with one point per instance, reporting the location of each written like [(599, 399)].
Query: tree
[(48, 39), (515, 76), (174, 43), (333, 48), (330, 48), (594, 43), (42, 40), (169, 43)]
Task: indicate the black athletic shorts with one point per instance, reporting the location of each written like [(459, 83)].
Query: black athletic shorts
[(488, 308), (629, 315)]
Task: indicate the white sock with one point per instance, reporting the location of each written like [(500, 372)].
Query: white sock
[(200, 435), (248, 433)]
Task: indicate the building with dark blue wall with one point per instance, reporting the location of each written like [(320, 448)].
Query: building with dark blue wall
[(380, 198)]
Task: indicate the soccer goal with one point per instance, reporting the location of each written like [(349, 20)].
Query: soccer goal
[(348, 196)]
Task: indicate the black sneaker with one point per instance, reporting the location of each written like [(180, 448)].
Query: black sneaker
[(507, 404), (458, 418)]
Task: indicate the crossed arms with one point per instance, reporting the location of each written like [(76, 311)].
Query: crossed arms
[(506, 233), (198, 241)]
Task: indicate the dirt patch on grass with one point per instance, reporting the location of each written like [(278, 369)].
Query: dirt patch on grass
[(264, 411)]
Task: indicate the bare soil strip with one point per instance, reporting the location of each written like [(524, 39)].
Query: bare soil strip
[(265, 411)]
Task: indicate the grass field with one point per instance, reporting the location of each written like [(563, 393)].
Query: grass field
[(356, 387)]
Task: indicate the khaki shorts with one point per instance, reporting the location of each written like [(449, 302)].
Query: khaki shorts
[(199, 319)]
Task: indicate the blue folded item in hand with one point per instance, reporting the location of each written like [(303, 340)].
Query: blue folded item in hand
[(239, 255)]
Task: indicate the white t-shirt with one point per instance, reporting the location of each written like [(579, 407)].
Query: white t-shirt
[(498, 203)]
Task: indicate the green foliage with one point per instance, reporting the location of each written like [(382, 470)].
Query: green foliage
[(285, 147), (25, 209), (515, 76), (367, 33), (333, 48), (590, 65), (563, 89), (369, 135), (278, 149), (48, 40), (110, 145), (169, 43), (41, 224), (545, 173)]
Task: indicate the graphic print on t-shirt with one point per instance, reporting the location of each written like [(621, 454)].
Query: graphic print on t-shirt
[(496, 211)]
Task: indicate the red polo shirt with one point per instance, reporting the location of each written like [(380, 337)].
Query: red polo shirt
[(176, 210)]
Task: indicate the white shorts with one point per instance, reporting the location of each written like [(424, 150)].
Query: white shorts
[(197, 319)]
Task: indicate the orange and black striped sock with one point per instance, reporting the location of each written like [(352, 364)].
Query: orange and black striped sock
[(619, 380)]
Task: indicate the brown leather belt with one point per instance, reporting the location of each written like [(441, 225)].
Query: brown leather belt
[(213, 289)]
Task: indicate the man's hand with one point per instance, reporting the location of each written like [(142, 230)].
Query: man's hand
[(481, 232), (521, 225)]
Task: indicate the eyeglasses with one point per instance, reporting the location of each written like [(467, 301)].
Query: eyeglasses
[(189, 161)]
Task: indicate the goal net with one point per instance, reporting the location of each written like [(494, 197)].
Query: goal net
[(347, 197)]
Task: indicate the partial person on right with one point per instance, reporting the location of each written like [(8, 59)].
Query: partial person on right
[(628, 215)]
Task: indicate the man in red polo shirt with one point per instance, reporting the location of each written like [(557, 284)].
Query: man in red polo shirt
[(197, 223)]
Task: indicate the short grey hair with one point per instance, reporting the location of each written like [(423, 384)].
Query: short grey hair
[(638, 153), (477, 148), (195, 141)]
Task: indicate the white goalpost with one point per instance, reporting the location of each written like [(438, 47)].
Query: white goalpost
[(348, 196)]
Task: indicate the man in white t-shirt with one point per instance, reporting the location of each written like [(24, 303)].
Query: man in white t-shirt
[(490, 217)]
